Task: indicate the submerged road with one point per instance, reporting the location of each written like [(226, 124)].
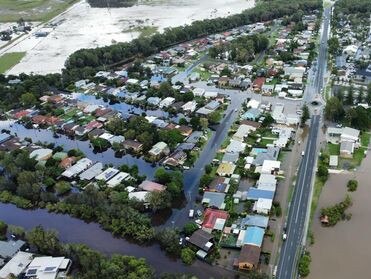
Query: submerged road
[(298, 210)]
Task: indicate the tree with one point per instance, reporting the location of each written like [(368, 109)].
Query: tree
[(350, 96), (360, 95), (100, 144), (28, 99), (334, 110), (195, 122), (187, 255), (28, 185), (305, 116), (214, 117), (159, 200), (333, 45), (46, 242), (169, 241), (183, 121), (204, 123), (368, 96), (352, 185), (190, 228), (3, 230), (62, 187), (268, 120), (208, 168), (162, 176), (322, 172), (304, 264)]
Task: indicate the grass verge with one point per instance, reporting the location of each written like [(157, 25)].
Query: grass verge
[(8, 60)]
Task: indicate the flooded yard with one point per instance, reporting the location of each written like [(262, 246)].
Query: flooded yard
[(85, 27), (348, 239)]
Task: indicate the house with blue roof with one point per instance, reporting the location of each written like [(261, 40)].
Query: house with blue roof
[(251, 114), (255, 194), (252, 236), (254, 221)]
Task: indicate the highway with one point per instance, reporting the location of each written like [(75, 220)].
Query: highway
[(298, 210)]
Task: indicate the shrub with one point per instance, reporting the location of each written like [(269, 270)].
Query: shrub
[(187, 255), (352, 185)]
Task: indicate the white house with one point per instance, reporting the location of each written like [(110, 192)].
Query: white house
[(263, 206), (270, 167)]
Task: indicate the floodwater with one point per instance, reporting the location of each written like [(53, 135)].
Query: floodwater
[(343, 251), (84, 27), (72, 230)]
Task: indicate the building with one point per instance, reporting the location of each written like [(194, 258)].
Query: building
[(214, 200), (214, 219), (270, 167), (334, 161), (151, 186), (249, 257), (236, 146), (107, 174), (117, 179), (92, 172), (202, 240), (41, 154), (252, 236), (254, 221), (133, 145), (242, 132), (346, 149), (16, 265), (48, 268), (255, 194), (9, 248), (267, 182), (252, 114), (177, 158), (219, 184), (77, 168), (160, 148), (226, 169), (263, 206)]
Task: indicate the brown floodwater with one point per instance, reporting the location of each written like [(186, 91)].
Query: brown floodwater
[(343, 251)]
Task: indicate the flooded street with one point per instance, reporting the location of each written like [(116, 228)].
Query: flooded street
[(84, 27), (348, 239)]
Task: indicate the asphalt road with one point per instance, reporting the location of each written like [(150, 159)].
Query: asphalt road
[(296, 221)]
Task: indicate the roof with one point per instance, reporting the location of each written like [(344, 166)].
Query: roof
[(347, 146), (80, 166), (219, 184), (46, 267), (214, 219), (201, 239), (16, 265), (251, 114), (214, 199), (107, 174), (350, 132), (255, 220), (158, 148), (236, 146), (140, 196), (249, 254), (116, 180), (262, 205), (267, 182), (41, 154), (255, 194), (254, 236), (334, 161), (151, 186), (269, 165), (271, 153), (230, 157), (91, 172), (9, 248), (226, 169)]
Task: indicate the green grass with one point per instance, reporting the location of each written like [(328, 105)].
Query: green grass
[(145, 31), (365, 139), (32, 10), (8, 60), (333, 149)]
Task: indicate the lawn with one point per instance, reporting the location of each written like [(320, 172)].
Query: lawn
[(334, 149), (145, 31), (365, 139), (32, 10), (8, 60)]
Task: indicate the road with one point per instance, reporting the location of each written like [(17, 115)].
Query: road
[(298, 211)]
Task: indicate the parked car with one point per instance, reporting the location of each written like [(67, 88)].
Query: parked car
[(191, 213)]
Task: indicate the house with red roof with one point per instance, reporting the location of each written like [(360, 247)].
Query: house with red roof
[(214, 219), (93, 125), (151, 186), (258, 83)]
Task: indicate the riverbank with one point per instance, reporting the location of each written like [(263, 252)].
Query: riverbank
[(332, 244), (72, 230)]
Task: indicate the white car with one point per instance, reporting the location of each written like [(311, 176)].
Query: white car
[(302, 153), (191, 213), (284, 236)]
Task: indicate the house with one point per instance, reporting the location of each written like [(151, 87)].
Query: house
[(177, 158), (139, 196), (151, 186), (214, 219), (263, 206), (160, 148), (255, 221), (225, 169), (107, 174), (41, 154), (230, 157), (48, 267), (223, 81), (333, 134), (242, 132), (184, 130), (219, 184), (214, 200), (117, 179), (91, 172), (189, 106), (255, 194), (350, 134), (271, 153), (363, 75), (9, 248), (132, 145), (278, 114), (16, 265), (213, 105), (249, 257), (194, 137), (77, 168), (67, 162), (198, 92), (251, 114), (201, 240), (166, 102), (4, 137), (267, 182), (252, 236), (270, 167), (235, 146), (153, 101), (258, 84), (210, 94)]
